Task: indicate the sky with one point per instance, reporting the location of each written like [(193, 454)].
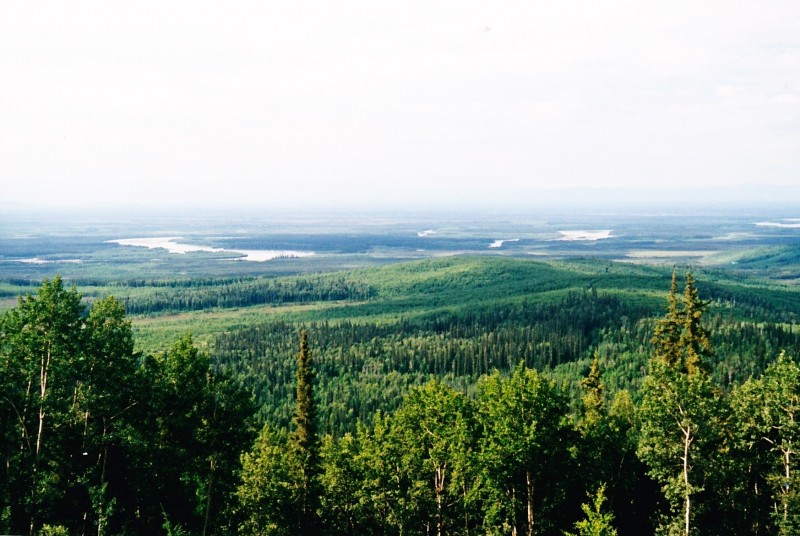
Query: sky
[(422, 103)]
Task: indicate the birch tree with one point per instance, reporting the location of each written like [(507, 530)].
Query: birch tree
[(767, 415), (70, 381), (42, 344), (606, 453), (524, 448), (681, 411), (435, 432), (196, 424), (267, 494)]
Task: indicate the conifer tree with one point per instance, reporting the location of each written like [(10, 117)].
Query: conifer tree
[(305, 443), (598, 521), (667, 333), (694, 340), (593, 393)]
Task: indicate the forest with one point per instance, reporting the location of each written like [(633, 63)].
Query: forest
[(564, 409)]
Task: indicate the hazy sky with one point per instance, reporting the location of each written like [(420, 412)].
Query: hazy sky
[(460, 102)]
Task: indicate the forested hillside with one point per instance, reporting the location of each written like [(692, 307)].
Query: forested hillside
[(458, 319), (453, 396)]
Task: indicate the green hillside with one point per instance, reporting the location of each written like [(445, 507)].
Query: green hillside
[(377, 331), (210, 306)]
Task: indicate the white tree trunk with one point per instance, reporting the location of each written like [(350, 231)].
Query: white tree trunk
[(529, 482), (687, 441)]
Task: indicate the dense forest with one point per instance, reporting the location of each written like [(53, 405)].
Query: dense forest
[(585, 413), (368, 365)]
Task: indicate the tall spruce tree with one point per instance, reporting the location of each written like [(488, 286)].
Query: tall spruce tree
[(667, 333), (694, 341), (305, 443)]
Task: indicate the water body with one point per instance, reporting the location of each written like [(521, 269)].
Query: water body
[(227, 244), (171, 244), (37, 260), (585, 235), (499, 243), (788, 223)]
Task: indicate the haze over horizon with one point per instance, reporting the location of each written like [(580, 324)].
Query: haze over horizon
[(419, 104)]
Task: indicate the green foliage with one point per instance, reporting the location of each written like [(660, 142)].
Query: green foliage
[(525, 444), (605, 456), (368, 354), (199, 422), (598, 522), (363, 367), (767, 426), (694, 340), (172, 529), (436, 434), (268, 493), (682, 413), (304, 441), (95, 440), (347, 505), (53, 530), (423, 414), (667, 333), (202, 295), (682, 418), (46, 355)]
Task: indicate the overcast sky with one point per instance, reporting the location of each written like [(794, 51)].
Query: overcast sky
[(368, 102)]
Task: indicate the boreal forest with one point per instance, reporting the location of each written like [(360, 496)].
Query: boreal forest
[(453, 396)]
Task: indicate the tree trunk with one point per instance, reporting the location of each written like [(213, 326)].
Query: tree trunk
[(101, 518), (687, 433), (438, 485), (529, 483), (466, 511), (43, 372), (785, 488), (513, 511), (208, 496)]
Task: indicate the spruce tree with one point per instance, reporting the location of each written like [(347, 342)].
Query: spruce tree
[(305, 443), (598, 521), (667, 333), (593, 393), (694, 339)]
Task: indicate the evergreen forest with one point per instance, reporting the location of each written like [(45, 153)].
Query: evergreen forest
[(440, 397)]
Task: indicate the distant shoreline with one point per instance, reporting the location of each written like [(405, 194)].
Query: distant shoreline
[(171, 244)]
